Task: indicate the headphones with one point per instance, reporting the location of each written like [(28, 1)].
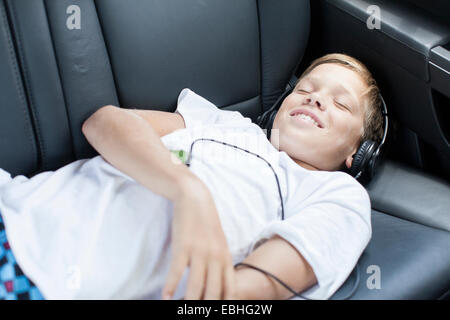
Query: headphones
[(366, 157)]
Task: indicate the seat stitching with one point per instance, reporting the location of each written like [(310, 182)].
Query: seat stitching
[(17, 81), (60, 77), (34, 110)]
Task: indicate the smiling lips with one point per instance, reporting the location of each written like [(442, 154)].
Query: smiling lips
[(307, 116)]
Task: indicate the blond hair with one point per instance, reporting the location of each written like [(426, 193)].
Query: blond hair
[(373, 118)]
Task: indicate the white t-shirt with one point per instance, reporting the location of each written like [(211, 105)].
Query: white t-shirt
[(89, 231)]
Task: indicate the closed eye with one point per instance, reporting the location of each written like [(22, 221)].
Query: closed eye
[(342, 105), (302, 91)]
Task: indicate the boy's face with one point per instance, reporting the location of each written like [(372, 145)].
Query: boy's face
[(332, 96)]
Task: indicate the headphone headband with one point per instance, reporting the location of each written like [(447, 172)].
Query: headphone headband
[(265, 120), (384, 112)]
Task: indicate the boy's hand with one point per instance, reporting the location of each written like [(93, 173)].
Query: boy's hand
[(198, 241)]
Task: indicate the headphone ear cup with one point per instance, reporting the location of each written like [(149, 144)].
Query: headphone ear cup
[(373, 161), (362, 157)]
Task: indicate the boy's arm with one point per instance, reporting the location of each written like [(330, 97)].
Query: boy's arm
[(130, 143), (162, 122), (280, 258)]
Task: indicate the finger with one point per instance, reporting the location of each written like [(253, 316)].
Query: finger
[(177, 267), (196, 281), (214, 279), (229, 283)]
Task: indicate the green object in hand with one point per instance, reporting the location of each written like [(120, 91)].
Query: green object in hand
[(180, 154)]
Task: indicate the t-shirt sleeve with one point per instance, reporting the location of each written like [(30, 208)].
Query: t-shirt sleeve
[(197, 110), (331, 231), (5, 177)]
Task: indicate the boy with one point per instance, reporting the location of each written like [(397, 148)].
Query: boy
[(129, 226)]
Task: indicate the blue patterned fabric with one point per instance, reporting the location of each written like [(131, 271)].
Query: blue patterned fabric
[(14, 284)]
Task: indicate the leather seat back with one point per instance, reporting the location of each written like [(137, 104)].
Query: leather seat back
[(18, 150), (140, 54)]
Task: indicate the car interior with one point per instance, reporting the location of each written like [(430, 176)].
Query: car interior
[(61, 60)]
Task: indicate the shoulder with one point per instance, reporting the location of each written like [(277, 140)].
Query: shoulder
[(338, 194), (329, 186), (341, 184), (4, 177), (197, 110)]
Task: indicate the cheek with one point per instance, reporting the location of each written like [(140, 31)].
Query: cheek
[(291, 100), (281, 116), (348, 133)]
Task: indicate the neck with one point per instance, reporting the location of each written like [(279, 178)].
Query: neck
[(275, 142), (305, 165)]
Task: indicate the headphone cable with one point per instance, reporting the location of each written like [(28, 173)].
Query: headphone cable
[(188, 163), (296, 294)]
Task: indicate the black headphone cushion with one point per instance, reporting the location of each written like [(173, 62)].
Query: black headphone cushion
[(362, 157)]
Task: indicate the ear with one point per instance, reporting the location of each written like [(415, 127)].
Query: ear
[(349, 161)]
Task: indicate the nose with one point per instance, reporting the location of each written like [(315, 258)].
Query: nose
[(312, 99)]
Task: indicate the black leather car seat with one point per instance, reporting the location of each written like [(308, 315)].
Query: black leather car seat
[(140, 54)]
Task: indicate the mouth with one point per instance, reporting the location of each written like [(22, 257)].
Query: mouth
[(306, 116)]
